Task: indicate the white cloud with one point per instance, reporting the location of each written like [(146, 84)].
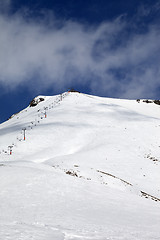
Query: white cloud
[(106, 58)]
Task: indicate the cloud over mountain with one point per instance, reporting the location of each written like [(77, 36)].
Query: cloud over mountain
[(111, 58)]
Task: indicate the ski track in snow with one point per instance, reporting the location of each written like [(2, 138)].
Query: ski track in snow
[(87, 169)]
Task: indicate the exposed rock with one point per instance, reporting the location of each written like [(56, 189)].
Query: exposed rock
[(148, 101), (35, 101), (157, 102), (72, 173)]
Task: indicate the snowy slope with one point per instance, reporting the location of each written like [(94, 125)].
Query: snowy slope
[(89, 169)]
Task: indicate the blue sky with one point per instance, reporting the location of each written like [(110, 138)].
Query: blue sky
[(100, 47)]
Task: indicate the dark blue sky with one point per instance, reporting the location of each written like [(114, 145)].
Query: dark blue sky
[(90, 11), (102, 47)]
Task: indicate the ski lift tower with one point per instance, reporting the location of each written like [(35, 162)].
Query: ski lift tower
[(45, 113), (10, 150), (24, 133)]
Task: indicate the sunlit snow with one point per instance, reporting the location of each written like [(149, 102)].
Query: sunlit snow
[(89, 168)]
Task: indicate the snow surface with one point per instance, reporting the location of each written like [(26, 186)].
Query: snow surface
[(88, 170)]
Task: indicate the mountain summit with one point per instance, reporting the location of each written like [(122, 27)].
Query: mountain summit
[(76, 166)]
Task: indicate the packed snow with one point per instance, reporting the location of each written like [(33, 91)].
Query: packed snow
[(76, 166)]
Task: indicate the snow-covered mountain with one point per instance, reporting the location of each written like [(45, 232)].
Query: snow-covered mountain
[(89, 168)]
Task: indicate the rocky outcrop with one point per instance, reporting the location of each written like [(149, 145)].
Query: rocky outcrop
[(35, 101)]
